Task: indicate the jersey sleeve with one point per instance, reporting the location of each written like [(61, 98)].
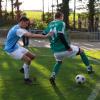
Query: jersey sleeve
[(21, 32), (47, 30)]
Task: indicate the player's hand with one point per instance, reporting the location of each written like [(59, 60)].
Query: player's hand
[(50, 34), (70, 49)]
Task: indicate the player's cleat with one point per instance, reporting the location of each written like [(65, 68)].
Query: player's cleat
[(90, 70), (28, 81), (22, 70), (52, 81)]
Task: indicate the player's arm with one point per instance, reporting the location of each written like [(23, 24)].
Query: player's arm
[(23, 32), (61, 36), (64, 42), (33, 35)]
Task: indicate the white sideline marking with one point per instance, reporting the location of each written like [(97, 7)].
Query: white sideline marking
[(95, 92), (97, 61)]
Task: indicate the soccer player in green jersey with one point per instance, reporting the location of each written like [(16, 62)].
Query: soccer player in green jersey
[(61, 47)]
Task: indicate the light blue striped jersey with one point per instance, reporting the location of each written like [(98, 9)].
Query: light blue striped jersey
[(12, 39)]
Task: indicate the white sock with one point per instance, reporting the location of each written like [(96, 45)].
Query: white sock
[(26, 71)]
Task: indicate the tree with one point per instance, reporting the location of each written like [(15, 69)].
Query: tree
[(18, 12), (12, 9), (97, 6), (0, 8), (6, 6), (65, 10), (91, 9)]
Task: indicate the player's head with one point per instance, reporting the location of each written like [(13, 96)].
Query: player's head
[(59, 15), (24, 22)]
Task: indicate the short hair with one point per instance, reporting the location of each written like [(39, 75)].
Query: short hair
[(58, 14), (23, 19)]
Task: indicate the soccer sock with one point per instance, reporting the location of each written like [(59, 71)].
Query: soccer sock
[(56, 68), (85, 59), (26, 71)]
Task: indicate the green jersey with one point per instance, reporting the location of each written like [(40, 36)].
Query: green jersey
[(56, 26)]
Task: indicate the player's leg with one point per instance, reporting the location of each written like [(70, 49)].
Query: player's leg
[(55, 71), (85, 60), (21, 53), (56, 68), (30, 55), (77, 51), (83, 56), (27, 58), (27, 62)]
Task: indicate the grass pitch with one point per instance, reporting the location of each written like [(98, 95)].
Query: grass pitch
[(12, 86)]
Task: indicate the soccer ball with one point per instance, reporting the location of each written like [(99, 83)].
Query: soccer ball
[(80, 79)]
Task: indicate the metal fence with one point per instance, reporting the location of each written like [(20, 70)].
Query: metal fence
[(94, 36), (74, 35), (89, 36)]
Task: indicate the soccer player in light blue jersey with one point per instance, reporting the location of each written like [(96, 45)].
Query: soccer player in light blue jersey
[(61, 47), (16, 51)]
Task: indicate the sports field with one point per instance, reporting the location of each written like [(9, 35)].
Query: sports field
[(12, 86)]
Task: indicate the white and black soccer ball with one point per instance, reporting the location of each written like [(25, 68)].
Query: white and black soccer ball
[(80, 79)]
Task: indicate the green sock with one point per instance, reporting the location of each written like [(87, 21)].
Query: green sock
[(56, 68), (84, 59)]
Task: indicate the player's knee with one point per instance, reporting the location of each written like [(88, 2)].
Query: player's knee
[(28, 61), (30, 55), (80, 51)]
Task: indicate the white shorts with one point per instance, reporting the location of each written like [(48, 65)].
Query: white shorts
[(60, 55), (18, 53)]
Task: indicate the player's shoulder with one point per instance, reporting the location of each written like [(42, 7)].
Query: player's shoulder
[(57, 22), (15, 27), (61, 22)]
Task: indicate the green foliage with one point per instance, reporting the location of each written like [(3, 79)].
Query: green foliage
[(33, 14), (37, 18), (38, 24), (48, 17), (71, 19)]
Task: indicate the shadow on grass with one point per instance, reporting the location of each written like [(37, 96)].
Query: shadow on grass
[(12, 87), (59, 93)]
